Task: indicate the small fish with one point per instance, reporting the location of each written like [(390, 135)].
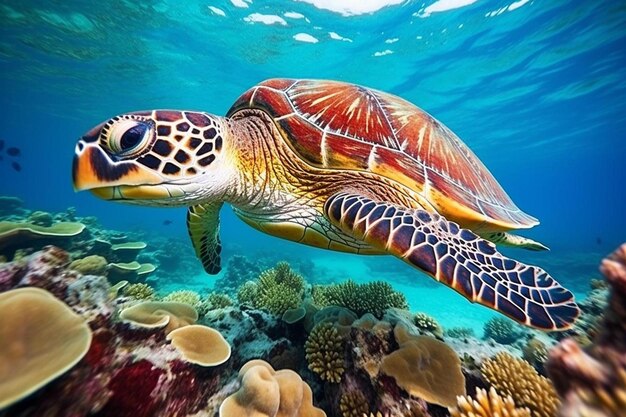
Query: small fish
[(167, 222), (1, 144), (16, 166), (13, 151)]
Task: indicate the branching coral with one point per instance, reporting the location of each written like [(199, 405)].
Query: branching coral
[(139, 291), (460, 332), (217, 300), (373, 297), (277, 290), (536, 353), (353, 404), (324, 352), (189, 297), (501, 330), (487, 405), (426, 323), (517, 378), (593, 382)]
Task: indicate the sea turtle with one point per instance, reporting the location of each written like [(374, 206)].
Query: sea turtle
[(336, 166)]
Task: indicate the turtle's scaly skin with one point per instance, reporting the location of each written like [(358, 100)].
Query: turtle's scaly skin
[(332, 165)]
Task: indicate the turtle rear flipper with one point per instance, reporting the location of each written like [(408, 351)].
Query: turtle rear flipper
[(203, 224), (458, 258)]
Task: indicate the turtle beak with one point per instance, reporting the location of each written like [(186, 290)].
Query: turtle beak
[(94, 170)]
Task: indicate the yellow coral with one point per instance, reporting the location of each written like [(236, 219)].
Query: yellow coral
[(518, 379), (487, 405), (324, 352), (90, 265), (353, 404)]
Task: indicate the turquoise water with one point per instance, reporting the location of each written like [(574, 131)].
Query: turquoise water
[(537, 89)]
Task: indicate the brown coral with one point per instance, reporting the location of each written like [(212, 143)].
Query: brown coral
[(156, 314), (593, 382), (487, 405), (265, 392), (425, 367), (353, 404), (518, 379), (324, 352), (42, 338)]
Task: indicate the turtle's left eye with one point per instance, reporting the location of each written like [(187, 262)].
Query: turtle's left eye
[(129, 137)]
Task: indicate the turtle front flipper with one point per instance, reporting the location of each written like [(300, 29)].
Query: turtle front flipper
[(203, 223), (458, 258)]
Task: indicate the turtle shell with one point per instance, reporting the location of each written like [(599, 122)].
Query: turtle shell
[(336, 125)]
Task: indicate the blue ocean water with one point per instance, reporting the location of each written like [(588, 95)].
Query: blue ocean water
[(537, 89)]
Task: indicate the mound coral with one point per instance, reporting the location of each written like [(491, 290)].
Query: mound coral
[(518, 379), (90, 265), (487, 405), (426, 323), (201, 345), (502, 330), (592, 382), (139, 291), (425, 367), (42, 338), (372, 297), (265, 392), (155, 314), (325, 353)]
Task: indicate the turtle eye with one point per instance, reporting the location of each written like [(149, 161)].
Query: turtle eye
[(129, 137)]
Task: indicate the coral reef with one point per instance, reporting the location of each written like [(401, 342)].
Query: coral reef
[(460, 332), (487, 404), (592, 382), (353, 404), (502, 330), (372, 297), (518, 379), (217, 300), (247, 293), (325, 352), (157, 314), (535, 352), (239, 270)]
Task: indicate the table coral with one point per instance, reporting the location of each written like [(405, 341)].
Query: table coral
[(201, 345), (42, 338), (518, 378), (592, 382)]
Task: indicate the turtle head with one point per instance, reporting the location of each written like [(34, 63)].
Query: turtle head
[(160, 158)]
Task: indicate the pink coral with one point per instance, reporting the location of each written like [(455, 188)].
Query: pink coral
[(593, 381)]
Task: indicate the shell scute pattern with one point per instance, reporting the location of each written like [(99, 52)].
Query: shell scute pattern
[(181, 138), (337, 125)]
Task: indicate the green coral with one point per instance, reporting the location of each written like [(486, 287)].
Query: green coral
[(277, 290), (139, 291), (373, 297), (90, 265), (188, 297), (460, 332), (501, 330), (247, 293), (426, 323), (324, 352), (217, 300)]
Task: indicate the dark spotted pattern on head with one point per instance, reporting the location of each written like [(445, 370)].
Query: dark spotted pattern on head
[(186, 143)]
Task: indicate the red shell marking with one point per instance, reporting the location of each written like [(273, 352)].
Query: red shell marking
[(339, 125)]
